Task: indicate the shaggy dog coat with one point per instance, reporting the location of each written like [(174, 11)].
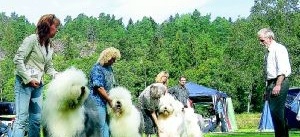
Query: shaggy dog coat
[(191, 123), (64, 114), (170, 117), (124, 117)]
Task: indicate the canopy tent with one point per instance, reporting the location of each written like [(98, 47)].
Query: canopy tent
[(231, 116), (266, 123), (292, 106), (199, 90), (199, 94)]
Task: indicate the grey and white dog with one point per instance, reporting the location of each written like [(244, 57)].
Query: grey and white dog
[(67, 110)]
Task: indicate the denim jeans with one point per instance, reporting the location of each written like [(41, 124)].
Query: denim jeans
[(28, 109), (104, 129)]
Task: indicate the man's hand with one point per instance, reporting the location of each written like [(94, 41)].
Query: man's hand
[(276, 90)]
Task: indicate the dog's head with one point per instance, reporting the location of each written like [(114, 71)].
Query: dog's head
[(68, 89), (157, 90), (169, 106), (121, 102), (166, 105)]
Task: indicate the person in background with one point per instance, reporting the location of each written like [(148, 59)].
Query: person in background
[(162, 77), (180, 92), (9, 132), (32, 60), (101, 81), (212, 123), (278, 69), (220, 115), (148, 102)]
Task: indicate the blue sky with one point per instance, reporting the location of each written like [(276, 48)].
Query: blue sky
[(159, 10)]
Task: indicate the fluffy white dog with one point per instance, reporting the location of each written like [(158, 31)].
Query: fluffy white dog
[(63, 112), (125, 118), (191, 123), (170, 117)]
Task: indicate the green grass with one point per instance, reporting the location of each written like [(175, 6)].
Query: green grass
[(247, 127), (249, 134), (245, 134), (247, 121), (247, 124)]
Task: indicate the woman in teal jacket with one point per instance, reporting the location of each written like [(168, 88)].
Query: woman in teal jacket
[(32, 60)]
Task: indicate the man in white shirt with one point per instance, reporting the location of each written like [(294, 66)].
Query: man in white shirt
[(278, 69)]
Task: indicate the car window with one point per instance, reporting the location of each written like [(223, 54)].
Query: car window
[(7, 108)]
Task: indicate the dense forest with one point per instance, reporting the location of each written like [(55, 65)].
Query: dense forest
[(218, 53)]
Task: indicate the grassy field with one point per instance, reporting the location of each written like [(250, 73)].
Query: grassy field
[(247, 124), (249, 134), (247, 127), (246, 134)]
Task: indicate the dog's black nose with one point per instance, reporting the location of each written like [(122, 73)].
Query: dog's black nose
[(118, 104)]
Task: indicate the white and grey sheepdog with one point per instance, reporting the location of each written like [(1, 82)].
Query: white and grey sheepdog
[(125, 119), (176, 121), (64, 113), (171, 117), (191, 123)]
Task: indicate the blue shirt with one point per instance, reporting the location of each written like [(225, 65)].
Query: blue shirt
[(101, 76), (219, 107)]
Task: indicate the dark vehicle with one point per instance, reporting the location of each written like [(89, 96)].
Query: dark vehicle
[(7, 112)]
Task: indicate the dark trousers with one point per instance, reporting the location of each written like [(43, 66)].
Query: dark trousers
[(277, 107)]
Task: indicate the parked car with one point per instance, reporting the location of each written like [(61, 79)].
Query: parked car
[(7, 112)]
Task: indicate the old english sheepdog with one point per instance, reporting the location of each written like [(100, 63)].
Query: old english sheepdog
[(191, 123), (171, 117), (64, 114), (125, 119)]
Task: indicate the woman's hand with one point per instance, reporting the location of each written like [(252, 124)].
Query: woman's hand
[(34, 83)]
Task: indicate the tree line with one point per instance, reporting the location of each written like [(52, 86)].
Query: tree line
[(218, 53)]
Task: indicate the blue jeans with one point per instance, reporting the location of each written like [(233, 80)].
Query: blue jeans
[(104, 129), (28, 109)]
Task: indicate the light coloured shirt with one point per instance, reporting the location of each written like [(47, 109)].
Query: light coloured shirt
[(277, 61), (32, 61)]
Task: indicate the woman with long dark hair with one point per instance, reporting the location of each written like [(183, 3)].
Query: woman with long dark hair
[(32, 60)]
